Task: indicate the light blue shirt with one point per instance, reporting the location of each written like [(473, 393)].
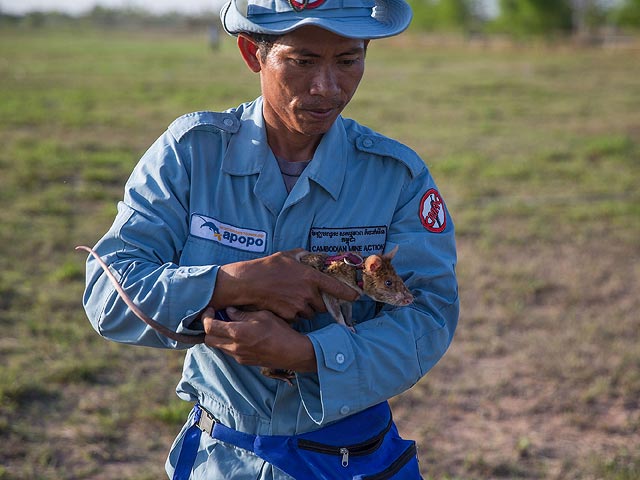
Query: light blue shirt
[(209, 192)]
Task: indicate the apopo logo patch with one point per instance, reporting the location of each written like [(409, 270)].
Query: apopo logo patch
[(432, 213), (236, 237)]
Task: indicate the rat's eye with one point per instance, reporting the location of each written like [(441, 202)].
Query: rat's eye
[(388, 283)]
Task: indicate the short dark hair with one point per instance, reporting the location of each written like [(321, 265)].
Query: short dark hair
[(264, 41)]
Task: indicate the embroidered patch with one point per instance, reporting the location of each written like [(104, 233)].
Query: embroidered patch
[(364, 240), (300, 5), (229, 235), (432, 213)]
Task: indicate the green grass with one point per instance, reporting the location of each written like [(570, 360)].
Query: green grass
[(535, 149)]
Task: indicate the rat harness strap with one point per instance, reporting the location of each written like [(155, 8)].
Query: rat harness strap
[(352, 259), (364, 446)]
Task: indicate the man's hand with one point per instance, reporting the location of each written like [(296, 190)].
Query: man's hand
[(277, 283), (259, 339)]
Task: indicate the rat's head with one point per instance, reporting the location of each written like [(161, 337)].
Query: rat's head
[(382, 283)]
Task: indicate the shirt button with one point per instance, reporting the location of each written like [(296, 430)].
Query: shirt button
[(340, 358), (344, 410), (228, 122), (367, 142)]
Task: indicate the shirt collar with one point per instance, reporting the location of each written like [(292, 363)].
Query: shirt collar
[(248, 151), (329, 162)]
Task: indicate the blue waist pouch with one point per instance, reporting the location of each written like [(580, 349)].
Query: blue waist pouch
[(364, 446)]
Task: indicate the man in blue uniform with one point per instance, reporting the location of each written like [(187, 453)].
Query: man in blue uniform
[(211, 219)]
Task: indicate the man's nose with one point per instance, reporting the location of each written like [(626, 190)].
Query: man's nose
[(325, 82)]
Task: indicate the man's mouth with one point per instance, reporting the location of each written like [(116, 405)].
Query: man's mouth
[(321, 112)]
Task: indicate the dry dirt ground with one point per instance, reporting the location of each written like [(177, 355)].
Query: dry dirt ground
[(541, 380)]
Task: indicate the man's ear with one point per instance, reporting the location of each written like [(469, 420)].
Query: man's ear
[(249, 51)]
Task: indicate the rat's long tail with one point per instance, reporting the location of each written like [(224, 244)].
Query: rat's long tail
[(178, 337)]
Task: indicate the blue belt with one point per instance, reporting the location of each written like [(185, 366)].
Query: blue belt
[(363, 446)]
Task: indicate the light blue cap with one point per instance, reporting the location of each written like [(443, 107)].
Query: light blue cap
[(367, 19)]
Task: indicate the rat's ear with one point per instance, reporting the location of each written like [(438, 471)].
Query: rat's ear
[(392, 253), (372, 263)]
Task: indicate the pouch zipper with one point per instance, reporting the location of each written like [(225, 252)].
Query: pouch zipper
[(358, 449), (396, 466), (345, 456)]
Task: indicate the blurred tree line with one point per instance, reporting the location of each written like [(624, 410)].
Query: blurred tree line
[(517, 18), (104, 17), (526, 17)]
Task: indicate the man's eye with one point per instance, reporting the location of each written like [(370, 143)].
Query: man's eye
[(301, 62)]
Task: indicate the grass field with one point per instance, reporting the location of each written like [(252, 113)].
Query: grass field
[(536, 150)]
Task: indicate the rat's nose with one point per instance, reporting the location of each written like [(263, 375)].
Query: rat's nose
[(405, 299)]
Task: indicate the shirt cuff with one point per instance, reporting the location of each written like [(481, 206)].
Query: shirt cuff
[(333, 393), (190, 293)]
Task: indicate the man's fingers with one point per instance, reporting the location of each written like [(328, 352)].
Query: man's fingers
[(278, 283), (336, 288), (315, 305), (209, 313), (209, 320), (294, 253), (215, 328)]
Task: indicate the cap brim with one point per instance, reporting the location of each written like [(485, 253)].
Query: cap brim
[(390, 18)]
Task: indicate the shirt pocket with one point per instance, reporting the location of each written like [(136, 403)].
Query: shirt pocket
[(198, 251)]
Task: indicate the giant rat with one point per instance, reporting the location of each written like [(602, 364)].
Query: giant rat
[(379, 281)]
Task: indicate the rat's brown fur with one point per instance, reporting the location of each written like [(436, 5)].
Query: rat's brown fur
[(380, 281)]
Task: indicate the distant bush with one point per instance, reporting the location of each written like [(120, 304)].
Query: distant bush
[(526, 18), (628, 15), (535, 17), (446, 15)]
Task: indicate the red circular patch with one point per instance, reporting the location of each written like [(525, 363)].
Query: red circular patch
[(298, 6), (432, 213)]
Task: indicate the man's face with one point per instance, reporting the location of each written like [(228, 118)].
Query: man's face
[(307, 79)]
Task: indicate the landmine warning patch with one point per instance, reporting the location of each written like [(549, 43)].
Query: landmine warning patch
[(299, 6), (363, 240), (432, 213), (229, 235)]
